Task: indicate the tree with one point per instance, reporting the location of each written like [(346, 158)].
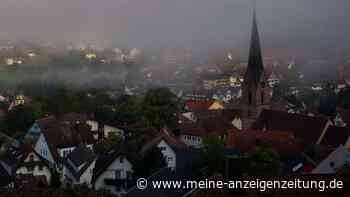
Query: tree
[(149, 163), (263, 162), (213, 155), (159, 107), (55, 180), (128, 109), (112, 141), (19, 119)]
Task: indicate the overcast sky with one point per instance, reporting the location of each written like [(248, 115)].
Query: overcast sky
[(192, 23)]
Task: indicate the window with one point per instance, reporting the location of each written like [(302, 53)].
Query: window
[(162, 148), (170, 159), (121, 159), (117, 174)]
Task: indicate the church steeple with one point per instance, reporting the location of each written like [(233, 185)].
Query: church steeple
[(255, 63), (256, 95)]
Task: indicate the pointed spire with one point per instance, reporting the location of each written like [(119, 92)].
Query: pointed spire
[(255, 62)]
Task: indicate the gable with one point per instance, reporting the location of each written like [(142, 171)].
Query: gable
[(216, 106), (43, 149), (333, 162), (237, 122), (120, 162), (165, 148), (33, 156)]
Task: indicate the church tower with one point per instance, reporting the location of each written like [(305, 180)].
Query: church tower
[(255, 90)]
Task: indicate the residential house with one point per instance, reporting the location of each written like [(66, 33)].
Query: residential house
[(191, 135), (186, 160), (112, 172), (78, 166), (33, 164), (19, 99), (209, 123), (309, 130), (104, 129), (333, 162), (227, 116), (55, 143), (194, 106), (41, 124), (164, 174), (284, 142), (168, 145)]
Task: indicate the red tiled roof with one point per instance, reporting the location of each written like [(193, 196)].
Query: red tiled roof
[(168, 137), (206, 126), (246, 140), (198, 105), (306, 128), (192, 129), (47, 122), (209, 122), (63, 135), (227, 114)]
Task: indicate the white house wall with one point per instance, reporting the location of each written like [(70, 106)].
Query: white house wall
[(168, 154), (193, 141), (86, 177), (36, 172), (109, 173), (42, 148)]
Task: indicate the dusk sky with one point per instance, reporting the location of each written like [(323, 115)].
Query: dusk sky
[(192, 23)]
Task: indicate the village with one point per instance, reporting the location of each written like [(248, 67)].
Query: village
[(252, 120)]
